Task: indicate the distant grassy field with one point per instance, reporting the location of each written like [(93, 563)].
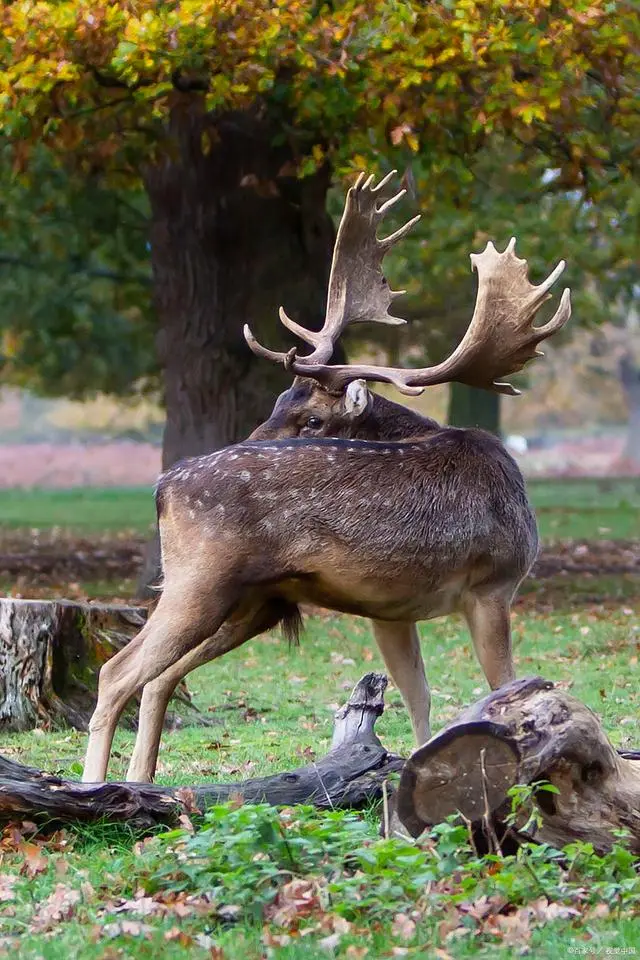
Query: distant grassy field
[(591, 509), (83, 509)]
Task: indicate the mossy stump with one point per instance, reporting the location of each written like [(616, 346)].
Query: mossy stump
[(51, 652)]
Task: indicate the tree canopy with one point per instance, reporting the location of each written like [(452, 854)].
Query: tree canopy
[(519, 113), (97, 81)]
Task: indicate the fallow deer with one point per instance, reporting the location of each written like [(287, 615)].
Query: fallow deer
[(396, 530)]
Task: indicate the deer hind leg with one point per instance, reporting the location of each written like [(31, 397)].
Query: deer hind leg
[(184, 618), (400, 648), (488, 615), (157, 694)]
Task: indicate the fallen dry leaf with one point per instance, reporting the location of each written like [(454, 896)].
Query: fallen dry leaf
[(187, 798), (340, 924), (514, 929), (596, 913), (7, 883), (175, 933), (542, 909), (34, 859), (59, 905), (186, 824), (127, 928), (143, 906), (296, 899), (403, 927), (330, 942), (274, 939)]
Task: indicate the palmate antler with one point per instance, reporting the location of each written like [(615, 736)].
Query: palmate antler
[(499, 341), (358, 290)]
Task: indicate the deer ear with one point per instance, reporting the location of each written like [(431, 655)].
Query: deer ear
[(356, 398)]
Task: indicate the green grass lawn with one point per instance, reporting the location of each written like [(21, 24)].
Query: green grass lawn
[(272, 709), (596, 509), (83, 509), (248, 883)]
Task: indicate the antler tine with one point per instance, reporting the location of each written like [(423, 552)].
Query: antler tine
[(259, 350), (388, 242), (309, 336), (358, 291), (499, 341)]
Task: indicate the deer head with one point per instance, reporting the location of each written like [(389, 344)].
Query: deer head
[(308, 409)]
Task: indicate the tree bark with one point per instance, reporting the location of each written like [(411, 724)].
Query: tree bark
[(50, 656), (469, 407), (235, 235), (525, 732), (352, 774)]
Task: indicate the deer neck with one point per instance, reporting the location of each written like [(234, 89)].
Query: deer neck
[(386, 420)]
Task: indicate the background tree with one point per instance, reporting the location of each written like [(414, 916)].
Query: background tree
[(75, 310), (234, 117)]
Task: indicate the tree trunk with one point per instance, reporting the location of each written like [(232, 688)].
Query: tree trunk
[(469, 407), (526, 732), (50, 656), (235, 235), (630, 379), (352, 774)]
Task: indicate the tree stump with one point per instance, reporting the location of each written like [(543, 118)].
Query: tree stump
[(352, 774), (526, 732), (50, 656)]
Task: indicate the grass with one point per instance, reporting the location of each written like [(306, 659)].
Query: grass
[(595, 509), (272, 708), (83, 509), (246, 883), (584, 508)]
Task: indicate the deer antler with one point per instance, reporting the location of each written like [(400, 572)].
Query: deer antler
[(499, 341), (358, 290)]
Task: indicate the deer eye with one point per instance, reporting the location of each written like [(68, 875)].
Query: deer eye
[(314, 422)]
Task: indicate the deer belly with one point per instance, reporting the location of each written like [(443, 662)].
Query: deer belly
[(378, 598)]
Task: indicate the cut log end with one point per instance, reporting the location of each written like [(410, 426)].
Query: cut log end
[(466, 770), (526, 732)]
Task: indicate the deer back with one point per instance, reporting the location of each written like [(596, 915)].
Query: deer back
[(342, 518)]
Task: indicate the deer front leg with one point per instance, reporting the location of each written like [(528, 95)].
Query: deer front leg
[(182, 620), (157, 693), (400, 648), (488, 616)]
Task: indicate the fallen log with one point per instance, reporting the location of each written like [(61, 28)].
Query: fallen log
[(350, 775), (526, 732), (50, 656)]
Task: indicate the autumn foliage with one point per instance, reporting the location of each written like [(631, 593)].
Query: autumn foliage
[(99, 80)]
